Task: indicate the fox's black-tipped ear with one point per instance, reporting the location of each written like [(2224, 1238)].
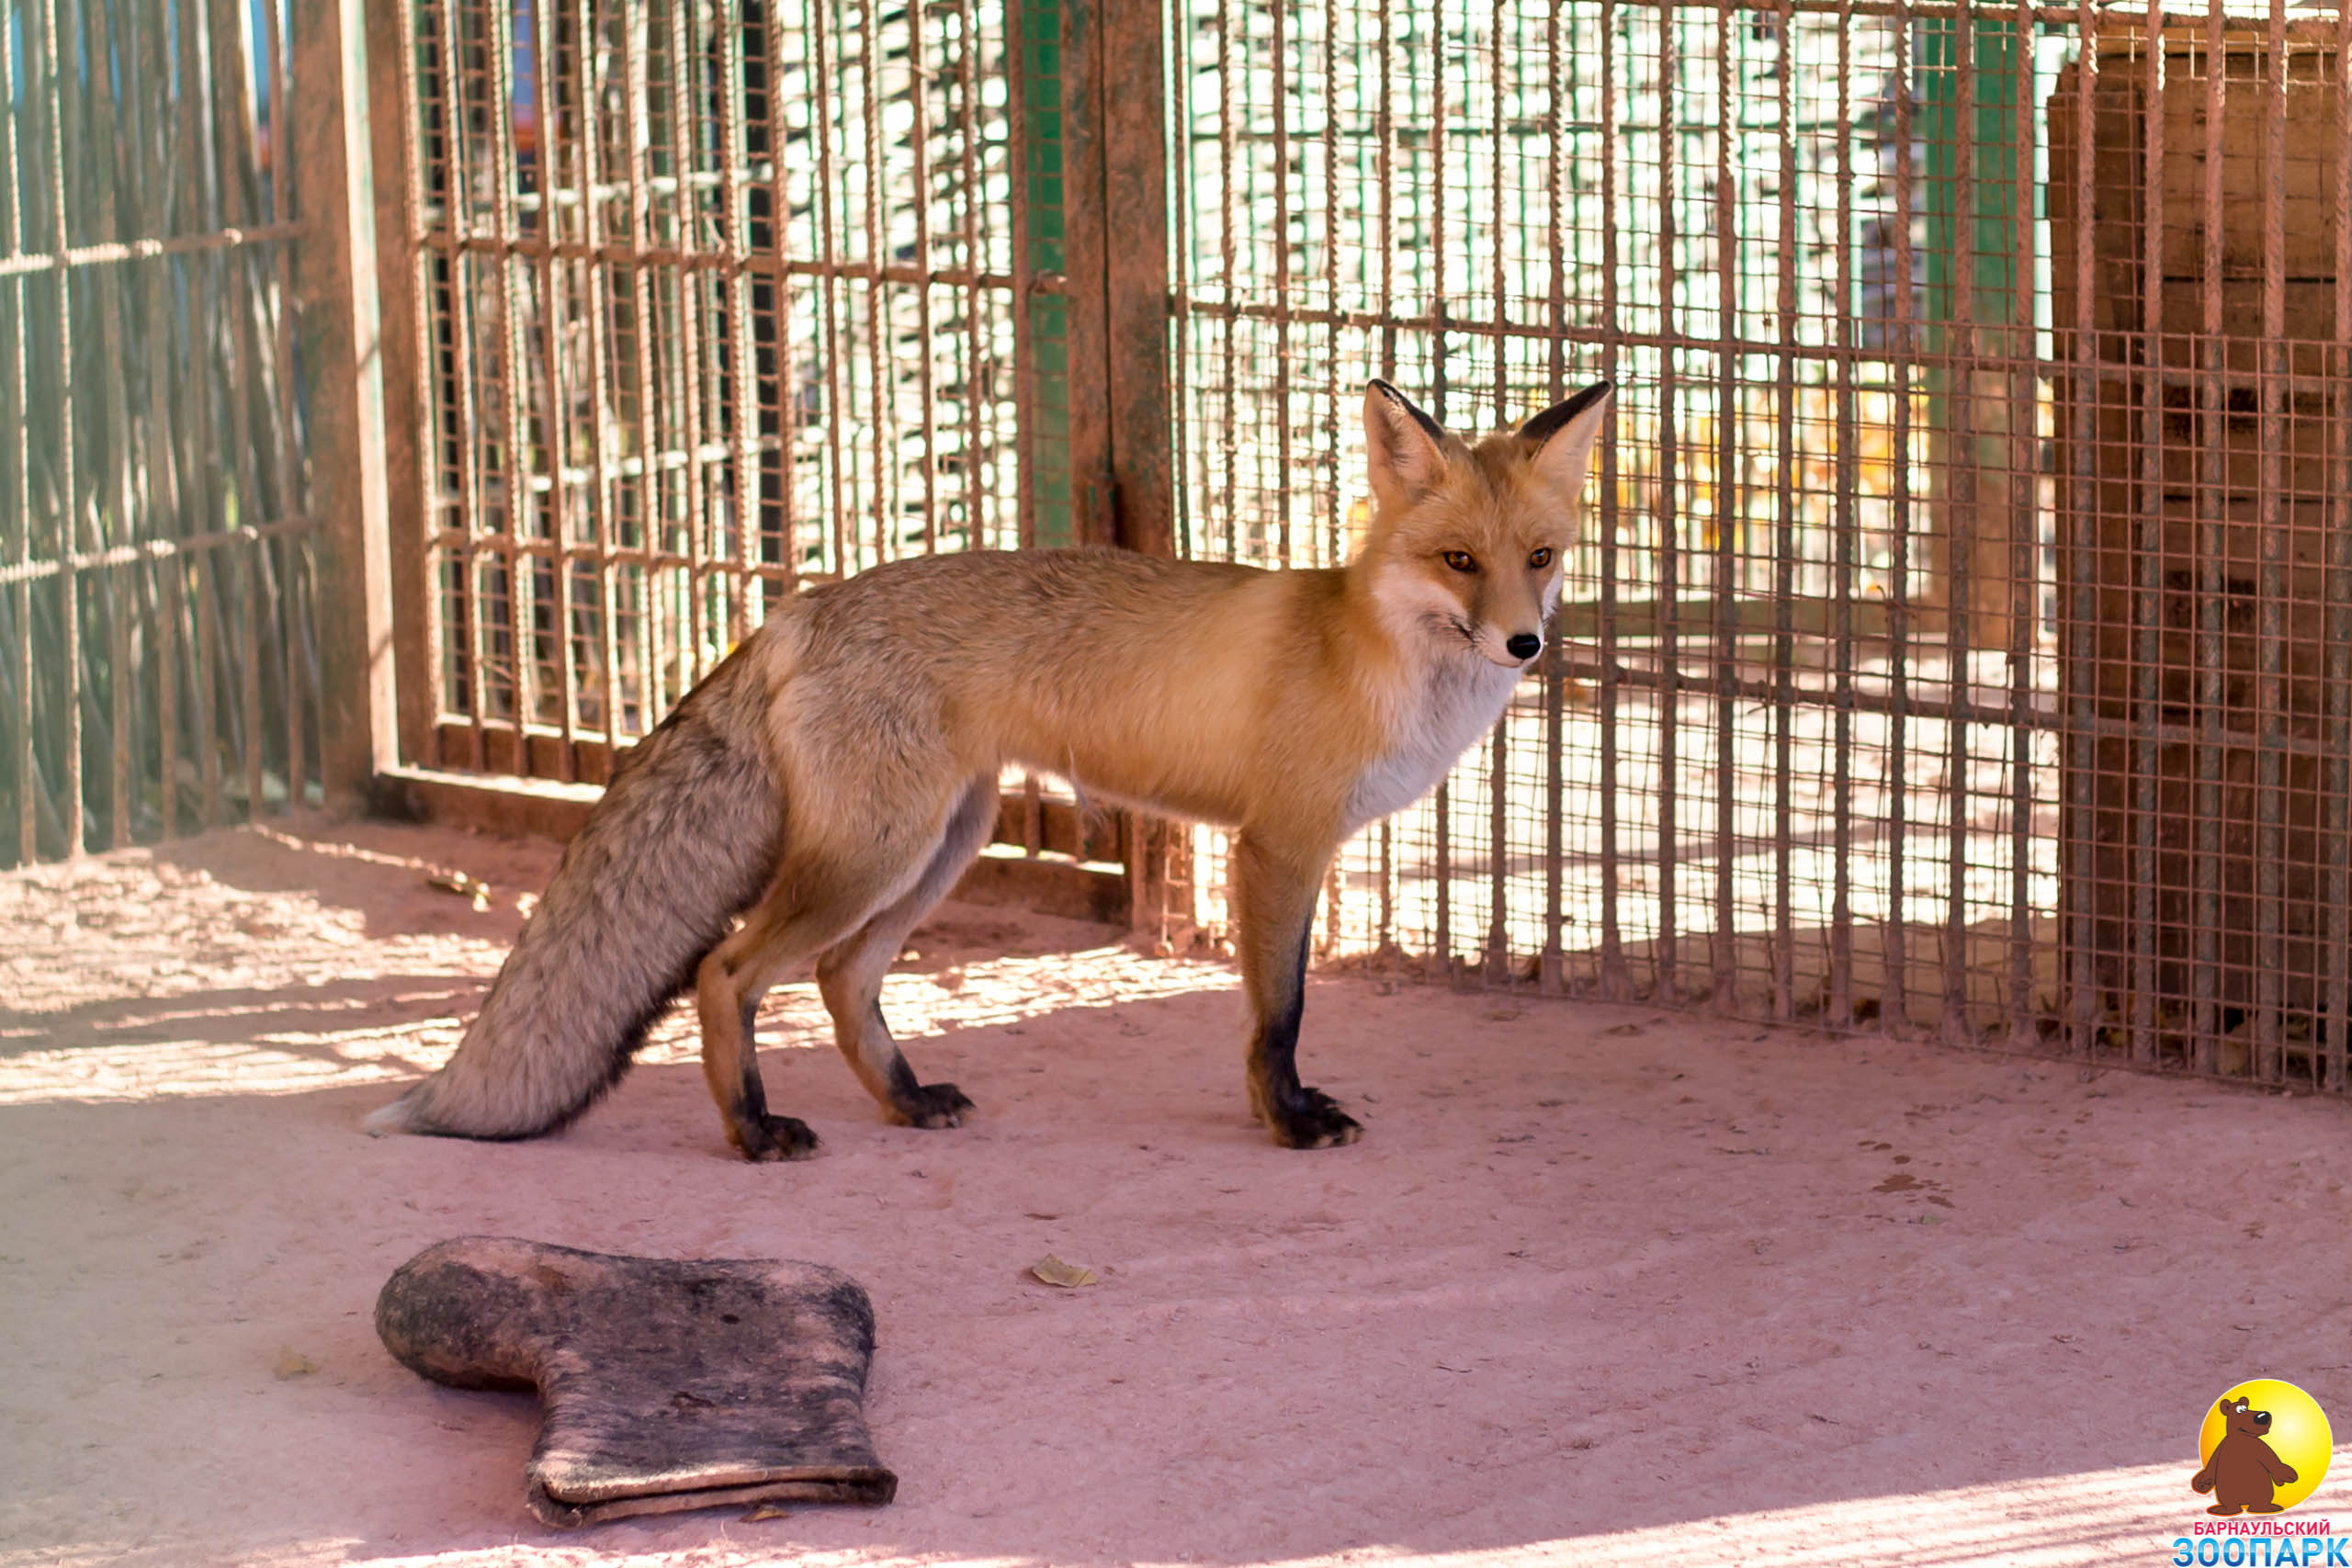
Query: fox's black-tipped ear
[(1563, 434), (1405, 447)]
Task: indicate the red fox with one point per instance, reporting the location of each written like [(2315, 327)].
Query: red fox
[(831, 779)]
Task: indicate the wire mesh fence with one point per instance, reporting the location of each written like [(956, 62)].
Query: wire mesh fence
[(161, 666), (715, 301), (1960, 638)]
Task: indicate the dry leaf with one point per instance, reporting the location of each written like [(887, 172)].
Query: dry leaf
[(292, 1363), (1070, 1276), (1624, 1030), (465, 887), (767, 1511)]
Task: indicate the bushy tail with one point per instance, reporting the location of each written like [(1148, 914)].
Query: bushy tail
[(685, 840)]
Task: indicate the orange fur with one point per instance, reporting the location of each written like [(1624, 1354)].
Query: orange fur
[(1293, 706)]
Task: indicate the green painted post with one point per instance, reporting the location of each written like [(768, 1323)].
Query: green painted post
[(1046, 441)]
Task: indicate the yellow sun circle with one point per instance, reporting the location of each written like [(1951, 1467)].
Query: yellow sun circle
[(2299, 1433)]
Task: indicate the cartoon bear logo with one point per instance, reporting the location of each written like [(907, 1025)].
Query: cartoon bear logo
[(2243, 1472)]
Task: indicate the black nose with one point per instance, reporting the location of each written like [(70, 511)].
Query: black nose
[(1526, 644)]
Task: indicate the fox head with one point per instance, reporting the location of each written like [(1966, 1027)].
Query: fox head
[(1467, 541)]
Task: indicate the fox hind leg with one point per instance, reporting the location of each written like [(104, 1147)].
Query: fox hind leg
[(850, 975), (815, 900)]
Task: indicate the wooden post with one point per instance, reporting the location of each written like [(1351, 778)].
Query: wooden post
[(343, 348), (1114, 172), (390, 41), (1087, 259), (1134, 208), (1114, 140)]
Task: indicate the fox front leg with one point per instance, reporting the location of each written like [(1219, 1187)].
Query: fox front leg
[(1277, 897)]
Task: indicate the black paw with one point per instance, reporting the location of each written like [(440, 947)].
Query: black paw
[(773, 1137), (1312, 1120), (934, 1105)]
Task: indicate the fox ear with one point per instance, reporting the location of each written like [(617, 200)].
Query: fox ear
[(1405, 447), (1563, 436)]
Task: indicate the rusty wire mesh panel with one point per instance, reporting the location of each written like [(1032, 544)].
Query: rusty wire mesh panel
[(2202, 230), (714, 300), (1794, 751), (161, 665)]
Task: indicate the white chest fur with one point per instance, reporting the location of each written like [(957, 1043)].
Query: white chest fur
[(1460, 701)]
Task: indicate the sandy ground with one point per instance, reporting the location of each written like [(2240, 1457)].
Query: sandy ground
[(1599, 1286)]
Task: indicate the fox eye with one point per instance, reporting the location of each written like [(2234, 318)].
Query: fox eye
[(1460, 561), (1541, 558)]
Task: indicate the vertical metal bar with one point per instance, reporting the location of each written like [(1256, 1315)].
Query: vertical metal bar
[(514, 455), (1182, 126), (554, 277), (1438, 388), (1894, 1006), (1229, 186), (980, 434), (651, 398), (1025, 273), (834, 310), (919, 139), (2212, 402), (786, 368), (198, 109), (120, 675), (15, 418), (688, 386), (1383, 254), (1333, 482), (169, 608), (1278, 81), (1784, 543), (1337, 551), (250, 562), (2270, 891), (884, 474), (706, 545), (2081, 605), (1665, 985), (1496, 970), (596, 304), (204, 569), (741, 418), (229, 35), (290, 553), (1960, 561), (1844, 552), (1615, 983), (2148, 553), (457, 182), (2337, 886), (160, 468), (1729, 519), (48, 79), (1551, 963), (2024, 595), (106, 297)]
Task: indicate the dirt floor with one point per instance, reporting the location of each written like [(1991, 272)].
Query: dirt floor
[(1599, 1286)]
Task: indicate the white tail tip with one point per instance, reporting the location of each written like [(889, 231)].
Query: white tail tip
[(392, 1118)]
